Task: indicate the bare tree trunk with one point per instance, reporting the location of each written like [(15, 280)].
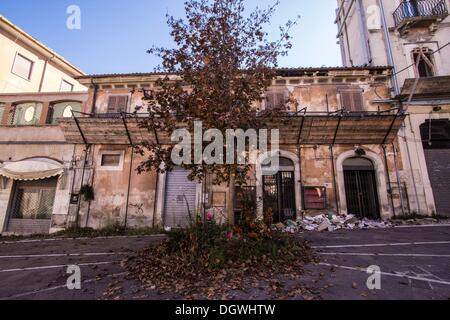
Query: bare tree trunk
[(230, 204)]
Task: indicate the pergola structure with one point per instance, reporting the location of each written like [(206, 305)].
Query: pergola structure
[(301, 128)]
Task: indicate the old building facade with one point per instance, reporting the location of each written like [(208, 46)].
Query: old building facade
[(339, 153), (413, 36)]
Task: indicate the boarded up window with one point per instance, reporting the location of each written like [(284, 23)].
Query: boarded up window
[(22, 67), (352, 100), (315, 198), (117, 104)]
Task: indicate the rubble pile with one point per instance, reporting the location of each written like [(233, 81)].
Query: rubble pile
[(330, 223)]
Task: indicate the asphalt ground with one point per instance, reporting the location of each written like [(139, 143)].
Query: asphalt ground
[(411, 263)]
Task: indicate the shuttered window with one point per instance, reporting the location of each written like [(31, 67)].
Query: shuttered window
[(22, 67), (276, 99), (117, 104), (352, 100), (2, 110)]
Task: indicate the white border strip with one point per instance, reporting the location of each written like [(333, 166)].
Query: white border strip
[(387, 274), (385, 254), (84, 238), (58, 255), (381, 245), (57, 266)]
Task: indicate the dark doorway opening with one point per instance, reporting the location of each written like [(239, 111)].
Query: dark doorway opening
[(361, 188), (279, 192)]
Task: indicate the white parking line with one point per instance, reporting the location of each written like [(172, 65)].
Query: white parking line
[(21, 295), (386, 274), (424, 226), (385, 254), (84, 238), (56, 266), (381, 245), (57, 255)]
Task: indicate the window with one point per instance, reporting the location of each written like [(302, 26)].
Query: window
[(33, 200), (22, 67), (352, 100), (2, 110), (315, 198), (66, 86), (62, 110), (27, 113), (277, 99), (117, 104), (424, 62), (111, 160)]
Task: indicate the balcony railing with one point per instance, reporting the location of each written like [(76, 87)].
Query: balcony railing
[(419, 10)]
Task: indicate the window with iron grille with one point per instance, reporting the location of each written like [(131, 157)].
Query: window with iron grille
[(315, 198), (34, 199), (117, 103)]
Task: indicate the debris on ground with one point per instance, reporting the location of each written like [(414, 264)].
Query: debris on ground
[(330, 223), (175, 274)]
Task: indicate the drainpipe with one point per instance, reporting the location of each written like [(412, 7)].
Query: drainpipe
[(389, 179), (390, 55), (41, 84), (363, 31), (94, 97)]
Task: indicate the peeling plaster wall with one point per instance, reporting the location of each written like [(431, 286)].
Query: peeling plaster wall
[(111, 187)]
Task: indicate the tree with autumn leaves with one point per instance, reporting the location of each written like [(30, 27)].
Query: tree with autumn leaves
[(219, 69)]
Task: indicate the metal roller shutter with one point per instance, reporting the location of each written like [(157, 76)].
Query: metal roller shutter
[(180, 199)]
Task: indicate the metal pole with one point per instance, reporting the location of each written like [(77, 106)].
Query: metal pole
[(129, 187), (334, 180), (398, 179), (389, 178)]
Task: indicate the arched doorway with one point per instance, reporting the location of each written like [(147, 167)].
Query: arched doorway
[(279, 191), (361, 188)]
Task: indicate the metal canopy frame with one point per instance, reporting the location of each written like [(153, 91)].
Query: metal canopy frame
[(299, 128)]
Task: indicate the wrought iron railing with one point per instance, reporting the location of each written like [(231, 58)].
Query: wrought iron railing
[(419, 8)]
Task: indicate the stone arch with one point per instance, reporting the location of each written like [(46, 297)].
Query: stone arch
[(380, 174), (259, 180)]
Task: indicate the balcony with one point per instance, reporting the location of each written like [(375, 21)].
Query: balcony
[(419, 14)]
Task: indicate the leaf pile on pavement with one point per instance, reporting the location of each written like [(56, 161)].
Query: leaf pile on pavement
[(210, 262)]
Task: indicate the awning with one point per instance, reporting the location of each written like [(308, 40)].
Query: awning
[(294, 129), (32, 169)]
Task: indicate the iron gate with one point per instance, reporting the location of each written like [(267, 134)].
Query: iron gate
[(279, 196), (361, 193)]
